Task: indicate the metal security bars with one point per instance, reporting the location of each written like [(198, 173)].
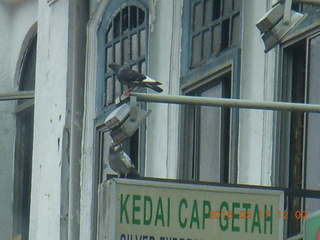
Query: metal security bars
[(215, 26), (125, 42)]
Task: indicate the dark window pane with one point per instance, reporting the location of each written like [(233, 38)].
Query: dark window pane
[(125, 19), (225, 34), (216, 9), (206, 46), (294, 205), (116, 26), (141, 17), (133, 17), (133, 149), (196, 49), (24, 169), (197, 16), (235, 29)]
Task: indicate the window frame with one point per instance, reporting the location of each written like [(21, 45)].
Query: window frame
[(281, 176), (187, 42), (116, 45), (24, 108), (96, 111), (192, 119), (104, 110), (112, 8), (228, 58), (213, 73)]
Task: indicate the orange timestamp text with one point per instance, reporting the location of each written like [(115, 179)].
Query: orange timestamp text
[(260, 214)]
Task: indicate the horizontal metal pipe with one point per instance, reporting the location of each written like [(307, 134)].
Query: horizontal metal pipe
[(226, 102), (16, 95), (312, 2)]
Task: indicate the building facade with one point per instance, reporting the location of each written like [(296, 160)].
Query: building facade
[(56, 90)]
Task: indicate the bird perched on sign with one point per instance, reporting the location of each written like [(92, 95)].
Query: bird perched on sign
[(132, 78), (120, 162)]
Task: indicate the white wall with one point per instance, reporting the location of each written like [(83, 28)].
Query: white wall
[(50, 117), (164, 65), (257, 81)]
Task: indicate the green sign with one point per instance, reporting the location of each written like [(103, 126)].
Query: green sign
[(312, 227), (149, 210)]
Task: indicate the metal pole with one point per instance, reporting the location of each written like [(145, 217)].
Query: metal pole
[(287, 12), (16, 95), (312, 2), (225, 102)]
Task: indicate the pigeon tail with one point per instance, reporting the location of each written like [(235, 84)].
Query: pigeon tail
[(155, 88), (151, 81), (132, 174)]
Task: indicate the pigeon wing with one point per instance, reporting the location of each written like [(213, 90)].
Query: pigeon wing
[(131, 170), (114, 163), (130, 77), (126, 160)]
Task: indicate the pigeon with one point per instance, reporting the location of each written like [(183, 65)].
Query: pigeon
[(132, 78), (120, 162)]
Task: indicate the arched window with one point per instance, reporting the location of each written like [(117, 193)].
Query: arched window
[(24, 144), (122, 39), (125, 42)]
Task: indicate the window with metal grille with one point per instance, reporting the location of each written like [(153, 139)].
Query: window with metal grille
[(125, 42), (122, 40), (214, 27)]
